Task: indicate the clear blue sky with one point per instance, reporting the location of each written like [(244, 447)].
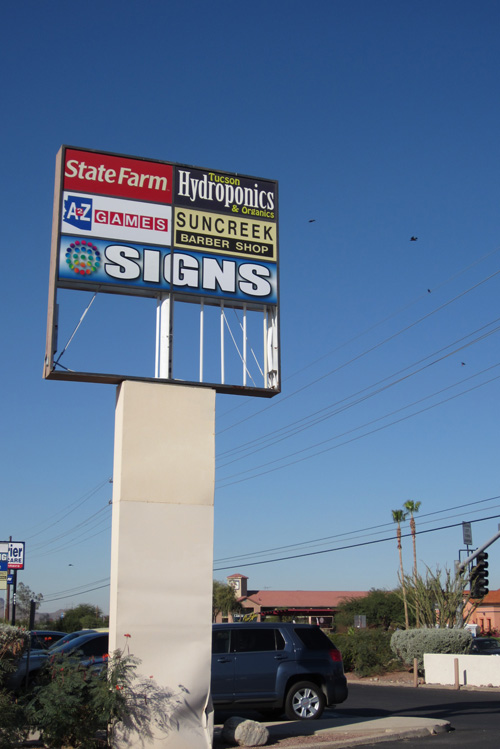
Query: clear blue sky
[(380, 120)]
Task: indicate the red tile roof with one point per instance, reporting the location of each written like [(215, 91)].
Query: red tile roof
[(301, 598), (492, 598)]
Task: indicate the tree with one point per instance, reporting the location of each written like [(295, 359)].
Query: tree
[(383, 610), (24, 596), (413, 507), (440, 599), (83, 616), (224, 600), (399, 516)]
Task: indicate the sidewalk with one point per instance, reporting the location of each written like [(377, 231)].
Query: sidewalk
[(339, 732)]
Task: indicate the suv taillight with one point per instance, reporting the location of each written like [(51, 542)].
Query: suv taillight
[(336, 655)]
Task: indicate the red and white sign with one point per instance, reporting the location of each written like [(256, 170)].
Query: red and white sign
[(106, 174), (113, 218), (15, 555)]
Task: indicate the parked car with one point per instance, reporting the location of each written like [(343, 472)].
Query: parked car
[(90, 645), (67, 638), (485, 646), (41, 639), (276, 668)]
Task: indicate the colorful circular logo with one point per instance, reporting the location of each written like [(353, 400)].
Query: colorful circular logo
[(83, 258)]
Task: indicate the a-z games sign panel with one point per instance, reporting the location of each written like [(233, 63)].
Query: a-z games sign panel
[(140, 227)]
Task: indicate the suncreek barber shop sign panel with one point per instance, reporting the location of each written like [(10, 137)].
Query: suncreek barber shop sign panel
[(134, 226)]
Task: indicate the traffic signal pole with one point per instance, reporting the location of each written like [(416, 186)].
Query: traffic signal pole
[(463, 565)]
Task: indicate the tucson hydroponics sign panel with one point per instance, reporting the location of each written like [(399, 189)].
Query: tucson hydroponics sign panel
[(135, 226)]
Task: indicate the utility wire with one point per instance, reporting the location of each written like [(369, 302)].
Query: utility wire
[(353, 439), (239, 561), (75, 589), (377, 528), (376, 346), (68, 510), (75, 529), (354, 546), (317, 417), (72, 544), (90, 590), (83, 589), (373, 327)]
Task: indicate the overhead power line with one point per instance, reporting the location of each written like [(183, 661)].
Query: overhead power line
[(74, 595), (67, 510), (333, 409), (72, 543), (282, 399), (247, 401), (353, 546), (296, 453), (75, 589), (379, 528)]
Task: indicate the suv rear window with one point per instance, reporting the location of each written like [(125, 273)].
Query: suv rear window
[(256, 640), (246, 640), (314, 639)]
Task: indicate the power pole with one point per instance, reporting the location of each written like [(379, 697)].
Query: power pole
[(7, 597)]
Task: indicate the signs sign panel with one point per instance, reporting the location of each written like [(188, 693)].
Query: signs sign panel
[(136, 226)]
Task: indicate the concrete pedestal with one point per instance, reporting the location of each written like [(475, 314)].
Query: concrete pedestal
[(162, 557)]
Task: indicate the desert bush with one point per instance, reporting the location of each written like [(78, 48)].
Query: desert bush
[(413, 643), (366, 651), (75, 705), (13, 642)]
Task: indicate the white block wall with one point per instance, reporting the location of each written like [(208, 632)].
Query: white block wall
[(473, 670)]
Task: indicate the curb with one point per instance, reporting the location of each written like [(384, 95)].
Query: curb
[(344, 736), (368, 737)]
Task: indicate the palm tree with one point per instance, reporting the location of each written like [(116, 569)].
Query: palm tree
[(413, 507), (399, 516)]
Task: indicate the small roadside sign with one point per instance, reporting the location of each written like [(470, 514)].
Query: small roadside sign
[(15, 555), (467, 529)]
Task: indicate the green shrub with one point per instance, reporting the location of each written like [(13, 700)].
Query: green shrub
[(366, 651), (13, 728), (73, 704), (413, 643), (13, 642)]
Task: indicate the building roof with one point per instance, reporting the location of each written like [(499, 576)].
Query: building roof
[(301, 598), (491, 599)]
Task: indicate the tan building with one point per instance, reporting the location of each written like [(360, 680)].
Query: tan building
[(487, 614), (313, 606)]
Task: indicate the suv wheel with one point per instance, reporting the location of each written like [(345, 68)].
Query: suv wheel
[(304, 701)]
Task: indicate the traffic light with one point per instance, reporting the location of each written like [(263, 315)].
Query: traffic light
[(479, 576)]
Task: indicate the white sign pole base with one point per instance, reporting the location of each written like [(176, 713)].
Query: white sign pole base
[(162, 559)]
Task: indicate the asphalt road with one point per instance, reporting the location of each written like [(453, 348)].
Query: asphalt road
[(474, 715)]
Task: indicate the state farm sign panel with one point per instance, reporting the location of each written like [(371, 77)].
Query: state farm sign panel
[(142, 227)]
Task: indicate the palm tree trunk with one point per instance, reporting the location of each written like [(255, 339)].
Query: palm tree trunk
[(407, 624), (414, 540)]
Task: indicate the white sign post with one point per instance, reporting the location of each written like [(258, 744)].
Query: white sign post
[(162, 558)]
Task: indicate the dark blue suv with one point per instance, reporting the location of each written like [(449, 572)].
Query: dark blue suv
[(275, 668)]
